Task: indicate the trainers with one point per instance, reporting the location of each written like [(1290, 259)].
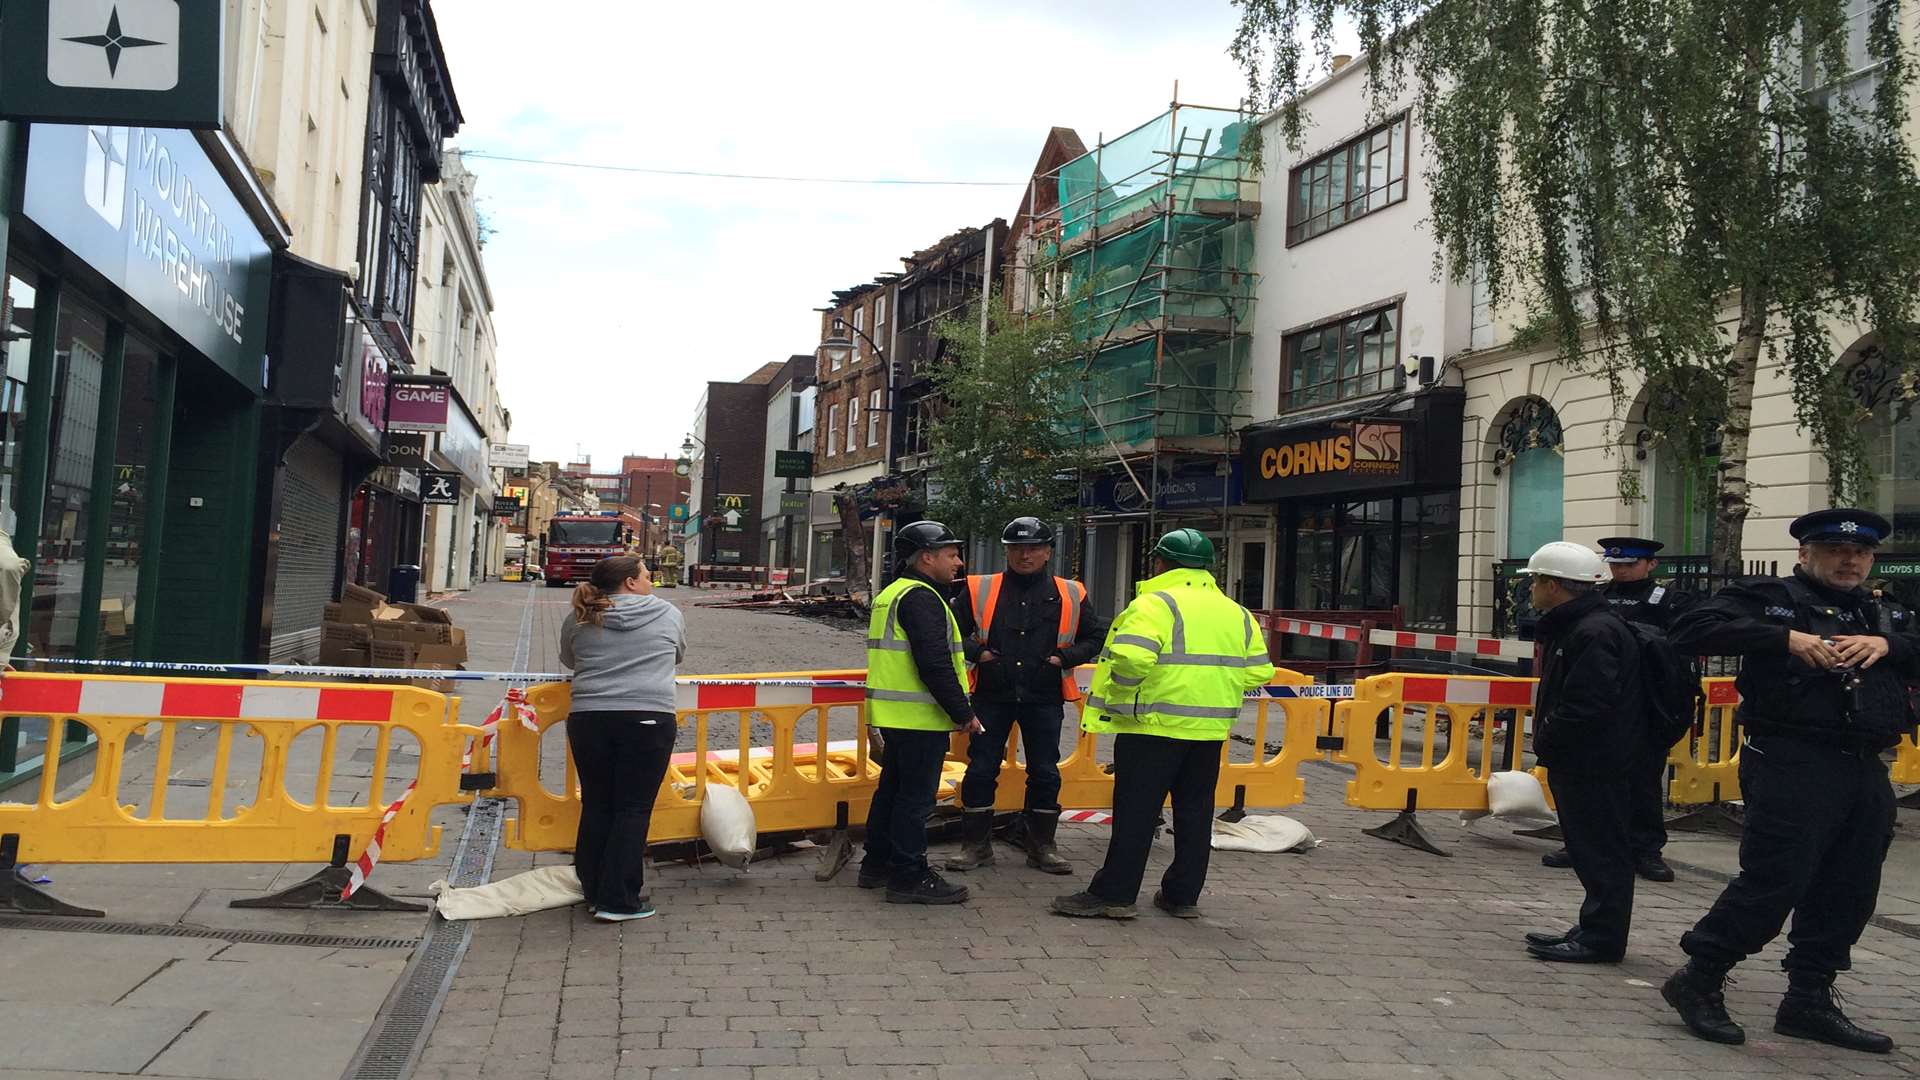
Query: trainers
[(1178, 911), (1085, 905), (1698, 993), (931, 888), (1817, 1016), (646, 911)]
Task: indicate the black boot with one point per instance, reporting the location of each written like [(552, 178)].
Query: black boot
[(976, 840), (1811, 1010), (1041, 853), (1698, 993)]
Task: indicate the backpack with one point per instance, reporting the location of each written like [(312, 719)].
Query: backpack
[(1669, 687)]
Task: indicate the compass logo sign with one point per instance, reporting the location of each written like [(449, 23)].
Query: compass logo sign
[(105, 178), (114, 44)]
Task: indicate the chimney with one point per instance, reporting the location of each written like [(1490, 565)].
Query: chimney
[(1340, 60)]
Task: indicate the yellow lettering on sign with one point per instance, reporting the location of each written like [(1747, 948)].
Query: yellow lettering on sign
[(1331, 454)]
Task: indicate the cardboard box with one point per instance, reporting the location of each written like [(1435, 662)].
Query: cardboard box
[(453, 653), (361, 597), (438, 686), (417, 632), (392, 654), (336, 653), (355, 634), (420, 613), (113, 617)]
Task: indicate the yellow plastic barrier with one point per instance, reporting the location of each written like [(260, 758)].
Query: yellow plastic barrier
[(1706, 766), (277, 823), (1906, 762), (799, 780)]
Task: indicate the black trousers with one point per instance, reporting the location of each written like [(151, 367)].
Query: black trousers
[(621, 760), (1647, 799), (897, 821), (1147, 769), (1819, 822), (1594, 811), (1039, 724)]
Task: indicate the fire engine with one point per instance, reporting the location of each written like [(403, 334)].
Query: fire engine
[(575, 542)]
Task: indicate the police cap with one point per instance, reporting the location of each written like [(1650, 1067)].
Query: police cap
[(1841, 525), (1027, 530), (1626, 549)]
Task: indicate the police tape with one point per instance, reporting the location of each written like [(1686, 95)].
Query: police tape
[(1407, 639)]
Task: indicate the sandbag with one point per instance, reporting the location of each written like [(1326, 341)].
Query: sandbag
[(1262, 832), (522, 894), (1517, 794), (726, 824)]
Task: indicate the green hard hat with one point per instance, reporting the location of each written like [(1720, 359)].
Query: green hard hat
[(1185, 547)]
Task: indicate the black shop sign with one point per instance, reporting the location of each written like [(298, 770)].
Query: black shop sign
[(1322, 459)]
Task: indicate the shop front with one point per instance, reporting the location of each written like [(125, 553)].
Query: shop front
[(1366, 510), (1122, 521), (451, 559), (136, 313)]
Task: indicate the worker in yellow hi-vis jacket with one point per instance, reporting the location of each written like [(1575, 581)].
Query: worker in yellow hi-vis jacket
[(1170, 684)]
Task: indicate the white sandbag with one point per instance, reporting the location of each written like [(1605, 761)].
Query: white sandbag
[(521, 894), (1517, 794), (726, 824), (1262, 832)]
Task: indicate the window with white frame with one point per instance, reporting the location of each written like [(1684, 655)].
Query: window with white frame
[(1855, 83), (859, 323), (873, 418), (880, 319), (833, 429), (853, 424)]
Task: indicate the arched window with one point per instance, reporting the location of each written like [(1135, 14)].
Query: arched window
[(1530, 453), (1893, 444), (1682, 474)]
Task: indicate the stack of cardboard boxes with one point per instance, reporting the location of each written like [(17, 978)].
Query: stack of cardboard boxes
[(364, 630)]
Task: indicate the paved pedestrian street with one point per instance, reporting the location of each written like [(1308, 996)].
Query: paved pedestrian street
[(1358, 959)]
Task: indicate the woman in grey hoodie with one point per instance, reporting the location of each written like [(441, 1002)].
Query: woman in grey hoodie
[(622, 644)]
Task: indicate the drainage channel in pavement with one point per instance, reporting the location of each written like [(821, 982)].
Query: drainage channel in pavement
[(399, 1032), (179, 930)]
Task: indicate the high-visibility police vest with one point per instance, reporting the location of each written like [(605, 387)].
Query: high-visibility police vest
[(985, 589), (1178, 662), (897, 697)]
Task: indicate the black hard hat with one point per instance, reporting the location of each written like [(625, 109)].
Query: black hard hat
[(1027, 530), (920, 536)]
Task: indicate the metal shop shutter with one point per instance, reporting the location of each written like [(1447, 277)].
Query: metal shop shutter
[(309, 549)]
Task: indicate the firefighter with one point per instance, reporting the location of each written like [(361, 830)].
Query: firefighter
[(1026, 631), (1636, 597), (1823, 693), (1178, 662), (914, 694)]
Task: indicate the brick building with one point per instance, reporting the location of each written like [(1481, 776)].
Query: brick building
[(729, 445)]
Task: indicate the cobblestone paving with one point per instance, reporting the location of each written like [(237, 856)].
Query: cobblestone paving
[(1360, 959)]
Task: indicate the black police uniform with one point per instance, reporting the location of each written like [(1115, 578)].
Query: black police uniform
[(1587, 727), (1654, 604), (1819, 807)]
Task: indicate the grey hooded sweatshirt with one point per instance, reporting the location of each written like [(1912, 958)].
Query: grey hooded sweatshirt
[(627, 662)]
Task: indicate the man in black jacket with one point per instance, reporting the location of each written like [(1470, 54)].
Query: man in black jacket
[(1587, 725), (1823, 693), (1026, 631), (1636, 597)]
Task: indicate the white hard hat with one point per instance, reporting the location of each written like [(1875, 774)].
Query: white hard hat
[(1568, 561)]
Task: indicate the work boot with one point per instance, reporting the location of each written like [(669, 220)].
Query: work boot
[(976, 840), (1559, 860), (1811, 1010), (929, 888), (1041, 853), (1085, 905), (1653, 868), (1698, 993)]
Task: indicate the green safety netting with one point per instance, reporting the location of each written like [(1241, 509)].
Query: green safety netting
[(1187, 153), (1200, 390)]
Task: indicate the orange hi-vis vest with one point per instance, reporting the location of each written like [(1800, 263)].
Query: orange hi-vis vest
[(985, 590)]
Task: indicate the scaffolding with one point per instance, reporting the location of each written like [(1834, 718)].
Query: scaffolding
[(1147, 252)]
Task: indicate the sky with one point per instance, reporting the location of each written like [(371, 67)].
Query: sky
[(617, 296)]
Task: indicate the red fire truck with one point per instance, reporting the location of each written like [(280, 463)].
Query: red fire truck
[(575, 542)]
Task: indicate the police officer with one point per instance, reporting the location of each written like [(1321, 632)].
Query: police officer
[(914, 665), (1026, 631), (1170, 684), (1587, 725), (1636, 597), (1822, 694)]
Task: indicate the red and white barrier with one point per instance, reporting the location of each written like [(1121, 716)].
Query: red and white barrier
[(193, 700), (1330, 631), (1086, 817), (1407, 639), (1438, 689)]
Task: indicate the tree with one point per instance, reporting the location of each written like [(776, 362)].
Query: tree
[(999, 446), (1643, 173)]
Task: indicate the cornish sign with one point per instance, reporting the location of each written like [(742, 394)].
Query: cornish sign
[(151, 62)]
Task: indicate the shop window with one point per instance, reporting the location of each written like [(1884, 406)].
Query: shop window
[(17, 320), (59, 573), (1530, 454), (1349, 182), (1348, 359), (1682, 502), (127, 514)]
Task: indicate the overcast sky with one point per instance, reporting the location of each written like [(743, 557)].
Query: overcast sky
[(618, 295)]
